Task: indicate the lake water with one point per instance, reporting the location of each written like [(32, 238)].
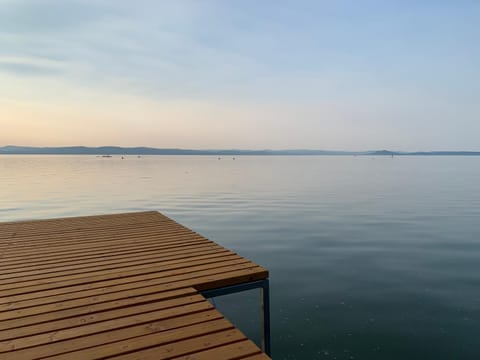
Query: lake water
[(369, 258)]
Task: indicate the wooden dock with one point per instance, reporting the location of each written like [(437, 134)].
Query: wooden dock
[(123, 286)]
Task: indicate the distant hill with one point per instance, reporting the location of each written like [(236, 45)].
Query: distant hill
[(383, 152), (422, 153), (117, 150), (447, 153)]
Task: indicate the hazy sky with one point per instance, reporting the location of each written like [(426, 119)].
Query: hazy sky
[(402, 75)]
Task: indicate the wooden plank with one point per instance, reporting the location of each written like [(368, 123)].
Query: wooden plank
[(43, 268), (33, 318), (99, 327), (166, 344), (92, 233), (88, 235), (42, 306), (189, 346), (148, 258), (32, 300), (145, 272), (237, 350), (257, 357), (7, 230), (153, 326), (81, 253), (24, 230), (85, 222), (200, 281), (125, 277), (42, 312), (138, 268), (59, 239), (84, 258), (81, 316), (80, 249), (234, 277), (89, 219)]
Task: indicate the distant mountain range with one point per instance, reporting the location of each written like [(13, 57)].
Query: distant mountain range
[(116, 150)]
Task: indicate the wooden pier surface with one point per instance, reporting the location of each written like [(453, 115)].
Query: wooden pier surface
[(123, 286)]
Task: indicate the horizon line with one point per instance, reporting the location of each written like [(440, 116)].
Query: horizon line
[(26, 148)]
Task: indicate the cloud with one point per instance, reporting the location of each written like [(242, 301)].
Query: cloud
[(48, 16), (153, 49), (24, 69), (30, 66)]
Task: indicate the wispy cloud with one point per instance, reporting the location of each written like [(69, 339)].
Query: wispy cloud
[(49, 16), (30, 66)]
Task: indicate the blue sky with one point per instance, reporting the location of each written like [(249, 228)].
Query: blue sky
[(401, 75)]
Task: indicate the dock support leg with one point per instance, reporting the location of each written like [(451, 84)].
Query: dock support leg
[(264, 287), (265, 298)]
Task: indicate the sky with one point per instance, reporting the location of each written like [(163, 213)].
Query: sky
[(250, 74)]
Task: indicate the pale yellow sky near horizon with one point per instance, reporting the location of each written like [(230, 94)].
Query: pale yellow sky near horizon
[(48, 112), (182, 123)]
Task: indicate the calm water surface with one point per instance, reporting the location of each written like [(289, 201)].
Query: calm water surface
[(370, 258)]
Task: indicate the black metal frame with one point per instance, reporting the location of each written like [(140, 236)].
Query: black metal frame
[(264, 286)]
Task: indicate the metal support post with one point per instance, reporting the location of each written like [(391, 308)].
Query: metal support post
[(264, 287), (265, 291)]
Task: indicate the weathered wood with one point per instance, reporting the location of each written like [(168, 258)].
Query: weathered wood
[(188, 346), (54, 269), (43, 313), (257, 357), (119, 286), (136, 267), (153, 326), (237, 350), (81, 316)]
